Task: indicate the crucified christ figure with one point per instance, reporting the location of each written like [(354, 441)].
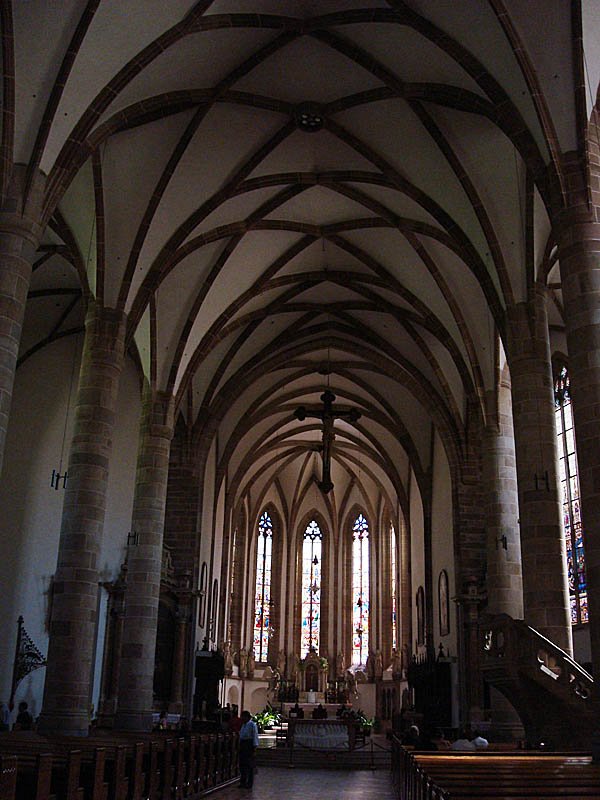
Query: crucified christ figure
[(327, 416)]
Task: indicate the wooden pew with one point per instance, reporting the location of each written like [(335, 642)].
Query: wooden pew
[(115, 768), (507, 776), (8, 777)]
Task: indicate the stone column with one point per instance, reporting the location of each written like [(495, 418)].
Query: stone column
[(504, 578), (545, 588), (67, 691), (144, 564), (19, 237), (579, 249)]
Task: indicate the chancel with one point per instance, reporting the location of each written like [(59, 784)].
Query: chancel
[(303, 295)]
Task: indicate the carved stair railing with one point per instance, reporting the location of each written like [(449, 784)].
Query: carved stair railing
[(550, 691)]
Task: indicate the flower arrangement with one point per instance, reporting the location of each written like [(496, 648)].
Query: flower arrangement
[(266, 718)]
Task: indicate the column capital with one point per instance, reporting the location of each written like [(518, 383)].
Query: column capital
[(20, 216)]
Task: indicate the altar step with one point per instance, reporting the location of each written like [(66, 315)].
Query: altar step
[(376, 757)]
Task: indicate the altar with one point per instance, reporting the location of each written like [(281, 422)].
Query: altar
[(322, 734)]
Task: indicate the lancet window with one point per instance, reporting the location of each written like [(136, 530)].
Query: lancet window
[(569, 484), (262, 593), (311, 588), (360, 591)]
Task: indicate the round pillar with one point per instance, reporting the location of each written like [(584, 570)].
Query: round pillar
[(20, 233), (545, 588), (144, 563), (504, 577), (579, 250), (71, 647)]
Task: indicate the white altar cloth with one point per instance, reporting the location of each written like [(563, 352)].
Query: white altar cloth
[(332, 736)]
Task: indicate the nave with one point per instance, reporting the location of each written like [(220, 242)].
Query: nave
[(300, 363), (316, 784)]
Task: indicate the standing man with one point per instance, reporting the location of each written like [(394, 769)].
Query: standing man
[(248, 744)]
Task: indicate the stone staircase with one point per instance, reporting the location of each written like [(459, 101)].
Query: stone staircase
[(551, 693)]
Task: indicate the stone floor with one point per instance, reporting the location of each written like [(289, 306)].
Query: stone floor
[(314, 784)]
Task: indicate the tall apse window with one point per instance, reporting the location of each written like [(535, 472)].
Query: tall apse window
[(311, 588), (262, 592), (360, 591), (569, 482), (393, 586)]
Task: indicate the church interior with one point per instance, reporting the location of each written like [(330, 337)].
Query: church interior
[(300, 362)]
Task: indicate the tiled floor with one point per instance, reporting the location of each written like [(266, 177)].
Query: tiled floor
[(314, 784)]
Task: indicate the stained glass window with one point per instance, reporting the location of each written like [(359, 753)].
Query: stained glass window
[(393, 587), (262, 594), (569, 484), (360, 591), (311, 588)]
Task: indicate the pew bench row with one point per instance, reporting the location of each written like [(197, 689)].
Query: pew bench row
[(155, 769), (494, 776)]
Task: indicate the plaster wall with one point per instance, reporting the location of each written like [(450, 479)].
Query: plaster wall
[(32, 510)]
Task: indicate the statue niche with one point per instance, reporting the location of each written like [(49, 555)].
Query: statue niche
[(313, 675), (311, 678)]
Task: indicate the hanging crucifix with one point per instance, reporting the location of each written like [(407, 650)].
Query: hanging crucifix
[(328, 416)]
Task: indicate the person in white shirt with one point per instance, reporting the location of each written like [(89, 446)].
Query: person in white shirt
[(479, 742), (462, 743), (248, 744)]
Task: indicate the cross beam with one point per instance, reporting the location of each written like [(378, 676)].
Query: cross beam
[(328, 416)]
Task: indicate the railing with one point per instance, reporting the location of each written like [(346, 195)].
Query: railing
[(511, 646)]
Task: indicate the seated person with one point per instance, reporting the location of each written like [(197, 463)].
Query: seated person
[(24, 721), (426, 741), (412, 737), (463, 742), (439, 739), (479, 741)]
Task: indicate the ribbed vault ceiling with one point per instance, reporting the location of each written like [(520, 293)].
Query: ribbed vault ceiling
[(285, 195)]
